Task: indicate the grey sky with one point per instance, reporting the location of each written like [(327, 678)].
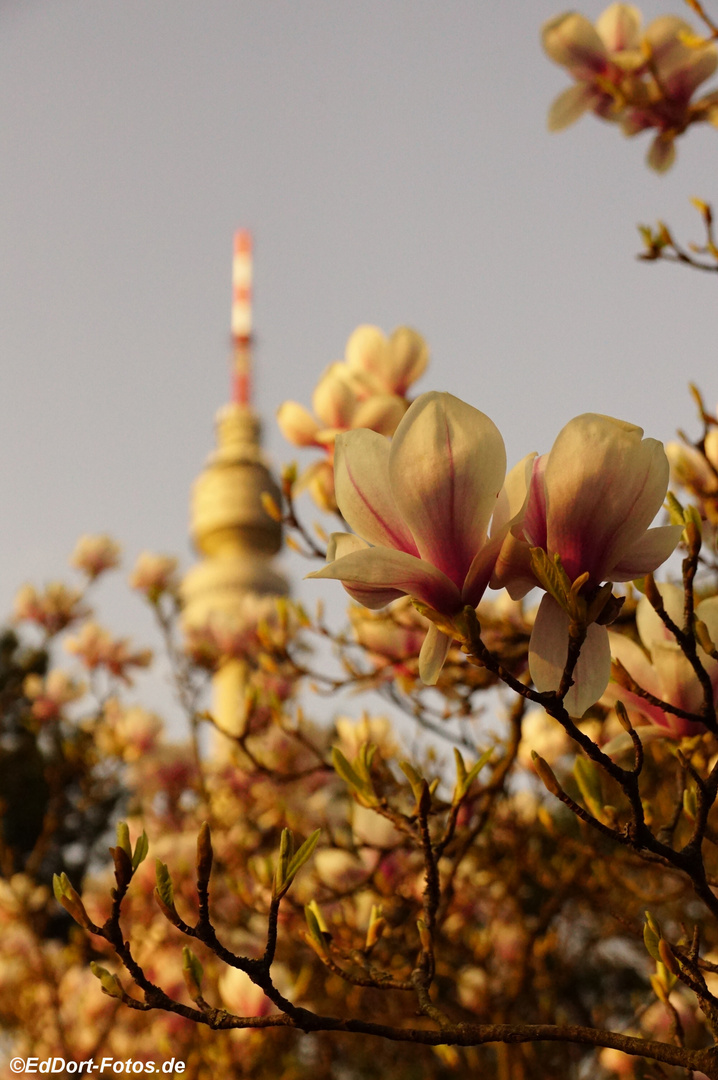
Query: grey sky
[(392, 160)]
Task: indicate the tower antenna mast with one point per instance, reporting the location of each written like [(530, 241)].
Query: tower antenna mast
[(242, 318)]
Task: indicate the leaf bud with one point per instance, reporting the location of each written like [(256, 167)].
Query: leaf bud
[(111, 985), (545, 773), (622, 715), (205, 856), (192, 972), (668, 958)]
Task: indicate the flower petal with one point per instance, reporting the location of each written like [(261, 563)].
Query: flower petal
[(368, 351), (604, 486), (433, 655), (572, 41), (409, 357), (651, 628), (380, 412), (446, 467), (662, 152), (297, 424), (381, 570), (334, 399), (647, 554), (548, 652), (636, 663), (363, 490), (510, 507), (570, 105), (619, 26)]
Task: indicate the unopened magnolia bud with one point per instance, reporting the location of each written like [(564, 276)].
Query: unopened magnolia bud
[(652, 592), (622, 715), (659, 989), (123, 866), (545, 773), (668, 958), (192, 972), (70, 899), (204, 856), (110, 983), (424, 935), (377, 926), (704, 639)]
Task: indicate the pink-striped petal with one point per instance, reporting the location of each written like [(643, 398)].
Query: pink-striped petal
[(380, 570), (364, 493), (446, 467), (619, 27), (636, 663), (604, 486)]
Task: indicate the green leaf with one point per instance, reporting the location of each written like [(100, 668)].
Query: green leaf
[(460, 769), (477, 767), (651, 937), (303, 855), (123, 838), (191, 964), (344, 769), (552, 576), (141, 849), (165, 888)]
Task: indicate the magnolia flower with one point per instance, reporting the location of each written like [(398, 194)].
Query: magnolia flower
[(677, 68), (601, 59), (367, 390), (49, 694), (52, 609), (154, 575), (95, 554), (664, 672), (642, 80), (96, 648), (591, 500), (421, 507)]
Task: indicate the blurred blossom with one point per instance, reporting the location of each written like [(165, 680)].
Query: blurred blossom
[(691, 469), (127, 732), (53, 609), (639, 79), (616, 1062), (258, 624), (241, 996), (366, 390), (154, 575), (95, 554), (591, 501), (540, 732), (353, 734), (392, 635), (21, 894), (96, 648), (661, 668), (420, 507), (339, 870), (51, 693)]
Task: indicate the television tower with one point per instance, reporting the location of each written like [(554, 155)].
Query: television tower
[(231, 531)]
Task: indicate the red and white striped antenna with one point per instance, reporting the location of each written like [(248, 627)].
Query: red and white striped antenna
[(242, 317)]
